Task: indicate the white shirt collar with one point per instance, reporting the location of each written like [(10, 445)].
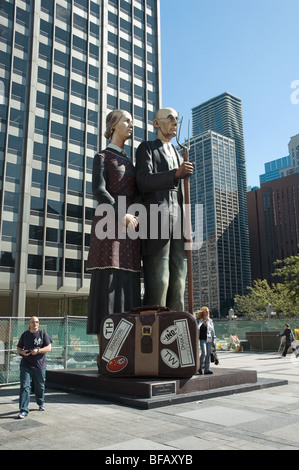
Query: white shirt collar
[(115, 147), (167, 143)]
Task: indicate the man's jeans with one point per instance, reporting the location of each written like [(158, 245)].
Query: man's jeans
[(165, 276), (206, 347), (38, 377)]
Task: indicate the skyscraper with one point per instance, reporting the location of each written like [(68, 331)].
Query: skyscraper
[(64, 64), (273, 214), (217, 265), (294, 156), (223, 114), (283, 166)]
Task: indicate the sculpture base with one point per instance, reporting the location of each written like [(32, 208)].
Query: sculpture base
[(149, 392)]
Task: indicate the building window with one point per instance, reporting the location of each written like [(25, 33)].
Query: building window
[(50, 263), (72, 265), (58, 131), (57, 155), (38, 178), (9, 231), (77, 112), (52, 234), (56, 182), (74, 211), (7, 259), (55, 208), (75, 185), (75, 160), (60, 82), (35, 262), (59, 106), (73, 238), (11, 201), (80, 22), (36, 232), (18, 92)]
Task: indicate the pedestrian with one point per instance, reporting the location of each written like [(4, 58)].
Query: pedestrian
[(160, 172), (33, 346), (289, 338), (114, 256), (206, 338)]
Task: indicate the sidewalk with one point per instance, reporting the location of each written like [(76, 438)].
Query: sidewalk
[(266, 419)]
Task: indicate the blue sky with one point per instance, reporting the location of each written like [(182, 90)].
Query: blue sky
[(249, 48)]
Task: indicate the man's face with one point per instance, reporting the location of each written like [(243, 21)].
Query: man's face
[(33, 324), (166, 124)]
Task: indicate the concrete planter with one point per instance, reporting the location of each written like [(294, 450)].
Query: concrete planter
[(263, 340)]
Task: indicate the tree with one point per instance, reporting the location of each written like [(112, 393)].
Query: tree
[(289, 272), (256, 301), (261, 294)]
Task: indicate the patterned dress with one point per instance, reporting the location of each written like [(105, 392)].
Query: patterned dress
[(114, 258)]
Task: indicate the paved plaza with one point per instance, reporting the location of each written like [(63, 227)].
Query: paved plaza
[(266, 419)]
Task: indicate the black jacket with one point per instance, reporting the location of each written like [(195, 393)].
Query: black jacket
[(155, 181), (289, 335)]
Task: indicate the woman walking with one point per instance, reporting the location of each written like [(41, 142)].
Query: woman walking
[(206, 338)]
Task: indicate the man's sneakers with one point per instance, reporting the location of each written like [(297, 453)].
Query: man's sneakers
[(23, 414)]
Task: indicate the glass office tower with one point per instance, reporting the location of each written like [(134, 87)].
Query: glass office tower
[(64, 64), (273, 169), (223, 114), (217, 265)]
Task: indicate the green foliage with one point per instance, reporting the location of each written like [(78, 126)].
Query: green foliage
[(284, 297), (289, 272)]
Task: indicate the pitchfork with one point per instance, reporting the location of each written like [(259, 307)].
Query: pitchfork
[(188, 228)]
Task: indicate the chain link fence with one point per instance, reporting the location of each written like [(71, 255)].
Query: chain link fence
[(71, 346)]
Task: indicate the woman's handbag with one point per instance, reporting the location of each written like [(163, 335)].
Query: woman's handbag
[(214, 357), (293, 345)]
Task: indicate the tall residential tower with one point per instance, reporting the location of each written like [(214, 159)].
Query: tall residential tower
[(64, 64), (217, 264), (223, 114)]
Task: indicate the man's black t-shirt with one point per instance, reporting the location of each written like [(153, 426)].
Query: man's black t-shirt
[(29, 341)]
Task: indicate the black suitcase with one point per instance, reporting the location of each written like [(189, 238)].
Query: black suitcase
[(149, 341)]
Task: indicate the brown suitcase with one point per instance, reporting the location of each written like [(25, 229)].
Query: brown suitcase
[(149, 341)]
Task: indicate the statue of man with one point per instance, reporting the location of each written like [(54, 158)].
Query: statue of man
[(160, 171)]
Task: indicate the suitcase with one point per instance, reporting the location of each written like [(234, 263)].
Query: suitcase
[(149, 341)]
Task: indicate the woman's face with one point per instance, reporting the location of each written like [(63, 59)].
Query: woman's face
[(124, 128), (205, 314)]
